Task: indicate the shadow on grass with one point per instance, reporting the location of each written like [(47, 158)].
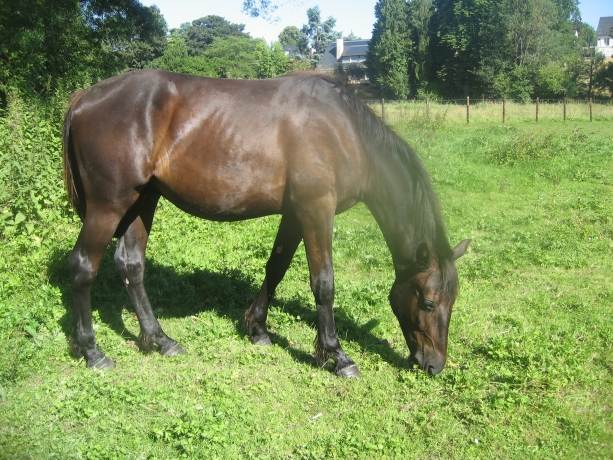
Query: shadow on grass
[(178, 295)]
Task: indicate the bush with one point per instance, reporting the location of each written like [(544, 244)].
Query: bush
[(31, 183)]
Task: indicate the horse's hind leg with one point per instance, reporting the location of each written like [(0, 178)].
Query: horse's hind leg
[(287, 240), (133, 235), (83, 262)]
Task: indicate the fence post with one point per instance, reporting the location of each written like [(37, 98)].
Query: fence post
[(564, 109), (383, 110), (504, 109), (537, 109), (428, 107), (467, 109), (590, 109)]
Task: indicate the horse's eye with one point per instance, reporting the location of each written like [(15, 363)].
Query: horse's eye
[(428, 305)]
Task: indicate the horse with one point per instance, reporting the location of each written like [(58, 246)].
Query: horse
[(302, 146)]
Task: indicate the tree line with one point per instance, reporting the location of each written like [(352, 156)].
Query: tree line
[(419, 48), (517, 49), (50, 45)]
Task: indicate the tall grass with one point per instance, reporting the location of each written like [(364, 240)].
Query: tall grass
[(492, 111), (530, 360)]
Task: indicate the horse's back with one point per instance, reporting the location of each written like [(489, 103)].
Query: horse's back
[(221, 149)]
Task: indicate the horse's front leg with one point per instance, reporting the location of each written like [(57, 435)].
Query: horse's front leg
[(287, 240), (317, 226), (130, 261)]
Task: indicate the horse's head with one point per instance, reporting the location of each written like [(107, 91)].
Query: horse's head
[(422, 300)]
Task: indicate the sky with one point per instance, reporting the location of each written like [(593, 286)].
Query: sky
[(357, 16)]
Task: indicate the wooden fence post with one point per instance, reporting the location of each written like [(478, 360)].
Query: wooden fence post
[(467, 109), (537, 109), (590, 109), (428, 107), (564, 109), (504, 109), (383, 110)]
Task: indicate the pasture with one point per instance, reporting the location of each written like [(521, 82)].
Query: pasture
[(530, 358)]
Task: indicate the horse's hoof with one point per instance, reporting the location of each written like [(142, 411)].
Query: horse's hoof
[(349, 372), (262, 340), (104, 364), (173, 350)]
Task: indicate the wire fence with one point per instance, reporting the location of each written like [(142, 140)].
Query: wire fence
[(495, 110)]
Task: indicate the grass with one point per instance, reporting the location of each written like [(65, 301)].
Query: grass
[(530, 360), (490, 112)]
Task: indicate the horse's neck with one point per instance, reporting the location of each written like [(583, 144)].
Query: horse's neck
[(388, 204)]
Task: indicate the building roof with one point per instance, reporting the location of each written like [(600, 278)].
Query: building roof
[(350, 48), (604, 26)]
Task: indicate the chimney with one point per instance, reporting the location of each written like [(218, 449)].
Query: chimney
[(339, 48)]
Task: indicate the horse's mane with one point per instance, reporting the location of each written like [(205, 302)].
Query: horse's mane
[(383, 144)]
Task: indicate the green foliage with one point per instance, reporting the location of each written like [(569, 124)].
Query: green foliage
[(419, 14), (129, 34), (388, 49), (204, 31), (271, 61), (604, 78), (317, 34), (299, 65), (31, 185), (260, 8), (48, 45), (233, 57), (511, 48), (529, 368), (177, 59), (353, 72), (289, 36), (551, 81)]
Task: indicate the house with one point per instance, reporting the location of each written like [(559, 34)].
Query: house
[(604, 37), (343, 52), (290, 51)]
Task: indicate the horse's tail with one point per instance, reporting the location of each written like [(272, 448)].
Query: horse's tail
[(72, 177)]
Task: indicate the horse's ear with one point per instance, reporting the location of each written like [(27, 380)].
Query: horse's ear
[(461, 249), (423, 256)]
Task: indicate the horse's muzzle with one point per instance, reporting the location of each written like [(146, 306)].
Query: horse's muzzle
[(431, 366)]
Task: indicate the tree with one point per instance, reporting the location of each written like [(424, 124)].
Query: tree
[(319, 33), (351, 37), (46, 43), (419, 14), (604, 78), (289, 36), (271, 61), (260, 8), (179, 33), (389, 47), (177, 59), (461, 34), (199, 37), (265, 9), (233, 57)]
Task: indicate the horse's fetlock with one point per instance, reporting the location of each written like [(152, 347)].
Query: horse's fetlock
[(75, 348), (147, 343)]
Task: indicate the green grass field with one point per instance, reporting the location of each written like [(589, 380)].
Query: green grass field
[(530, 360)]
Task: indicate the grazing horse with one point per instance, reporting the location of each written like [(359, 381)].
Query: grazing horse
[(301, 146)]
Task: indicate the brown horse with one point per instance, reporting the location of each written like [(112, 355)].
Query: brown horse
[(300, 146)]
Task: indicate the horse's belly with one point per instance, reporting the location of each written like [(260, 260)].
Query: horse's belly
[(219, 193)]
